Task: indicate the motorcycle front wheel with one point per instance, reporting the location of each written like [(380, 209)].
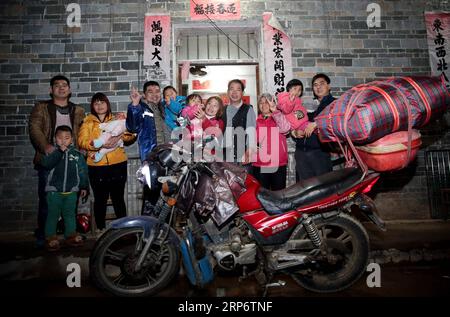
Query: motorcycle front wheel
[(346, 258), (112, 264)]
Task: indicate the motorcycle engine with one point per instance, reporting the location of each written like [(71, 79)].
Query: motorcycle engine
[(238, 249), (228, 259)]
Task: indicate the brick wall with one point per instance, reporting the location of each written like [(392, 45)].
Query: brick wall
[(105, 54)]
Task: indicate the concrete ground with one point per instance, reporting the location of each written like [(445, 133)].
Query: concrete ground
[(414, 257)]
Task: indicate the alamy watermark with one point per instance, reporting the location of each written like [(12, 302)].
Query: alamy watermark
[(374, 278), (374, 17), (74, 277), (74, 18)]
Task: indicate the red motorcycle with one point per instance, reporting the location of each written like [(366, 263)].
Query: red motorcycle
[(215, 217)]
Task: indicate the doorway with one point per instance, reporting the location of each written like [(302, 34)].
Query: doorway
[(205, 60), (212, 80)]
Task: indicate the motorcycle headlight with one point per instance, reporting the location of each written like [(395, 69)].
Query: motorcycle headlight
[(148, 174)]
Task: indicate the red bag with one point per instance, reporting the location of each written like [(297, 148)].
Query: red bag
[(390, 152), (370, 111)]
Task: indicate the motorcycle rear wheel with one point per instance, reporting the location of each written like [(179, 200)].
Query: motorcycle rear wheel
[(112, 262), (347, 243)]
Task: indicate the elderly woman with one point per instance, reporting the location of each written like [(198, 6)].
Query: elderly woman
[(272, 154)]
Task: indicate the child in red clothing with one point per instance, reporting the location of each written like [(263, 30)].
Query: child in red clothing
[(204, 120), (193, 113), (213, 126), (208, 124), (290, 104), (212, 123)]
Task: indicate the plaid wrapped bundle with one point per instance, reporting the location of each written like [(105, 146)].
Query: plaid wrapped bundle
[(376, 109)]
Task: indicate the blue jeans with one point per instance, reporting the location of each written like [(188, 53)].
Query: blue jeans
[(43, 206)]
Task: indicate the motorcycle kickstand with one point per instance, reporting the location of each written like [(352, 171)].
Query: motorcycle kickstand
[(274, 284)]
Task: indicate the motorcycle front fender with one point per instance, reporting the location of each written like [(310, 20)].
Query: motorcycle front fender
[(147, 223)]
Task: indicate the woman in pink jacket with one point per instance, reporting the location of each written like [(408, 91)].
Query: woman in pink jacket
[(272, 155)]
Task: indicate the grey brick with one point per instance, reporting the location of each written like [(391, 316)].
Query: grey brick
[(302, 25), (120, 86), (362, 62), (15, 130), (41, 48), (58, 48), (132, 46), (51, 68), (409, 43), (75, 47), (316, 43), (35, 10), (115, 46), (91, 67), (121, 27), (100, 28), (20, 49), (344, 62), (306, 62), (382, 62), (420, 62), (182, 6), (5, 49), (110, 66), (71, 68), (340, 25), (10, 68), (130, 65), (400, 61), (18, 89), (4, 89), (96, 47), (358, 25), (100, 87), (391, 43), (38, 89), (372, 44)]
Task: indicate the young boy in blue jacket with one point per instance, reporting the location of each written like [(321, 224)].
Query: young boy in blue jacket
[(68, 175), (173, 105)]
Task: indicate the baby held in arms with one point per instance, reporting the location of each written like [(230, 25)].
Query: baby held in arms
[(109, 129)]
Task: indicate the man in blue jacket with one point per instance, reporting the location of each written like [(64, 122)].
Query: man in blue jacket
[(145, 117)]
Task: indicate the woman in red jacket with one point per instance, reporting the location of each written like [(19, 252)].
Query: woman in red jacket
[(272, 155)]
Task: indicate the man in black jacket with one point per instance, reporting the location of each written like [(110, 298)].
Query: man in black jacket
[(240, 127), (312, 158)]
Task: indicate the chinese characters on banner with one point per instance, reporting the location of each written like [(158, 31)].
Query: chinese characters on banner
[(438, 36), (277, 51), (215, 9), (156, 46)]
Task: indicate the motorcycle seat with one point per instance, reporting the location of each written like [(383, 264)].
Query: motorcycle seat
[(307, 191)]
